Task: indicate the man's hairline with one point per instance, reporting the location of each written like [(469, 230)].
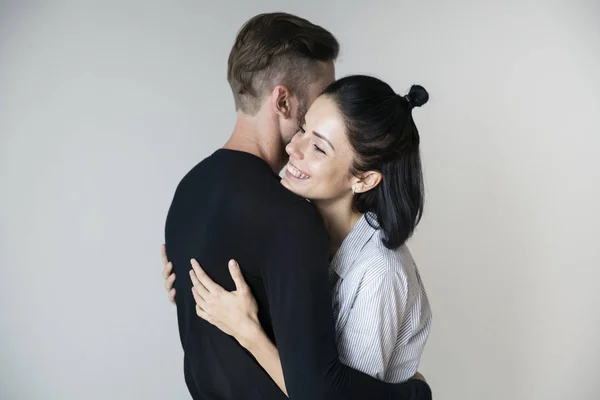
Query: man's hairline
[(321, 69)]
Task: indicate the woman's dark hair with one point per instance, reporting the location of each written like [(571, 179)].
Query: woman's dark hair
[(383, 134)]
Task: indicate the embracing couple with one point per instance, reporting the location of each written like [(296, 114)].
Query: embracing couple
[(302, 285)]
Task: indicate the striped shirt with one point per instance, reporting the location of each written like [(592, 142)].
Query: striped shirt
[(382, 313)]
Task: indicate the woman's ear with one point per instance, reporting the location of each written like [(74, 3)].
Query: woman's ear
[(367, 181)]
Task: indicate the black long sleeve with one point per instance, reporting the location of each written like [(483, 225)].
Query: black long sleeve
[(298, 290), (231, 205)]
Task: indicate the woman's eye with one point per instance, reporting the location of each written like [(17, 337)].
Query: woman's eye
[(301, 129), (317, 148)]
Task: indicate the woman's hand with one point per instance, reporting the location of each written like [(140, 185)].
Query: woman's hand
[(168, 275), (418, 376), (235, 313)]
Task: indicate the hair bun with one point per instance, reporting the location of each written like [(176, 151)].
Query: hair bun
[(417, 96)]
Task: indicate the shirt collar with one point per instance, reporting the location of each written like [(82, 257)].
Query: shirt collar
[(354, 243)]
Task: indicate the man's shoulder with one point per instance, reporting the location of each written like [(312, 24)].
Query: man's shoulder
[(256, 189), (292, 210), (226, 170)]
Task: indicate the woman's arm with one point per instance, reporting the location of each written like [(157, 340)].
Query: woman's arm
[(265, 352), (236, 314)]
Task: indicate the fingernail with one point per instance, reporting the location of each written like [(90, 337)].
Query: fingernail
[(232, 264)]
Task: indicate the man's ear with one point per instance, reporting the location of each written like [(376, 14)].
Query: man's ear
[(282, 101), (367, 181)]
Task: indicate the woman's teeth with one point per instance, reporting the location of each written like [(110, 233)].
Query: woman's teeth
[(295, 172)]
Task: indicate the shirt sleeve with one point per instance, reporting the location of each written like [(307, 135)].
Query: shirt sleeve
[(299, 297), (372, 327)]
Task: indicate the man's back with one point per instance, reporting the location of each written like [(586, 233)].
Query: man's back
[(226, 207), (232, 205)]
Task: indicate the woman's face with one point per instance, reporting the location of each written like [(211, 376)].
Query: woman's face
[(320, 155)]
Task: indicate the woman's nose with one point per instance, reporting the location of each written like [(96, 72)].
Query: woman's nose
[(293, 148)]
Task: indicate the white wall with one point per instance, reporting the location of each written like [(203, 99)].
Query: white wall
[(105, 105)]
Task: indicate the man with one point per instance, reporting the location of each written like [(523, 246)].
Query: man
[(231, 205)]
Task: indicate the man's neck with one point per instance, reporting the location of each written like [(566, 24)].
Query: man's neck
[(260, 138), (339, 219)]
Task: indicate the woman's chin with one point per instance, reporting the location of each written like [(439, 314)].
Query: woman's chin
[(289, 185)]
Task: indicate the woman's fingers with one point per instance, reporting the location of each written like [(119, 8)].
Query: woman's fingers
[(200, 302), (204, 279), (200, 288), (163, 254), (238, 278), (172, 296), (169, 282), (167, 270), (418, 376), (202, 314)]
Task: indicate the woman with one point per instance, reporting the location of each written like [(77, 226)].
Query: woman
[(357, 159)]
